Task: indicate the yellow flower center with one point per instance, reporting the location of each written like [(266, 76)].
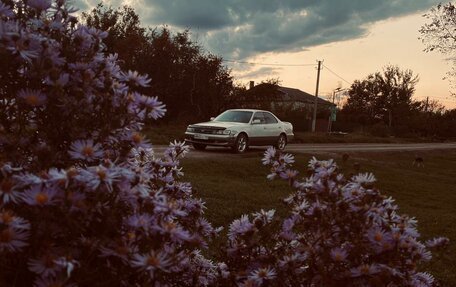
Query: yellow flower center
[(72, 172), (101, 174), (364, 269), (122, 250), (153, 261), (338, 257), (87, 151), (170, 226), (41, 198), (378, 236), (32, 100), (7, 217), (262, 273), (137, 138)]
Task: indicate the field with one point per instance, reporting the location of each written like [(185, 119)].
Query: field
[(164, 133), (232, 185)]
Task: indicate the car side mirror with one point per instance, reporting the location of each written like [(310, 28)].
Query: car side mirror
[(256, 122), (212, 118)]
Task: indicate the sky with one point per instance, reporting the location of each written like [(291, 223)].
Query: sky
[(264, 39)]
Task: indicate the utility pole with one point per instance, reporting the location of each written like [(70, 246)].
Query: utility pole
[(338, 89), (314, 119)]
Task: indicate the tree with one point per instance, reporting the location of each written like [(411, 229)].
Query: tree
[(382, 97), (191, 82), (440, 35)]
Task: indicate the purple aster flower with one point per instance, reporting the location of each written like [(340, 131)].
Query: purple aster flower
[(147, 106), (44, 266), (5, 10), (364, 270), (25, 46), (61, 81), (286, 158), (263, 274), (176, 149), (203, 226), (138, 140), (269, 155), (289, 174), (437, 242), (39, 5), (143, 221), (151, 261), (423, 253), (264, 216), (136, 79), (27, 179), (118, 249), (338, 254), (34, 98), (12, 240), (94, 176), (423, 279), (9, 191), (85, 150), (364, 178), (67, 264), (240, 227), (8, 218), (172, 229), (41, 196)]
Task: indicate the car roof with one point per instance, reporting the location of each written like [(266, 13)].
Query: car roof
[(248, 110)]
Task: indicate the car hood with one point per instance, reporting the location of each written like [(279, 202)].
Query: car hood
[(215, 124)]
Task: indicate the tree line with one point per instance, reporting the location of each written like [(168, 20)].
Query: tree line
[(195, 85)]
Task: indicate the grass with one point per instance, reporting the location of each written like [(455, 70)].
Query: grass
[(164, 133), (233, 185)]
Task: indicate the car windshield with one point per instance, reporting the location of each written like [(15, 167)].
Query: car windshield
[(234, 116)]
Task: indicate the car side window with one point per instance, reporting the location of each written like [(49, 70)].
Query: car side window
[(270, 119), (259, 116)]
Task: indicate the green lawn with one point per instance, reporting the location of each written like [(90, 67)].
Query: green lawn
[(233, 185)]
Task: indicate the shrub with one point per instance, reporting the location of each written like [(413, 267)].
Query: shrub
[(83, 199), (339, 232)]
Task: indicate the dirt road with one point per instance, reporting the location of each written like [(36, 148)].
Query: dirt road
[(324, 148)]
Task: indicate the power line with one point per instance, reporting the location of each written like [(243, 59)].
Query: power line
[(268, 64), (334, 73)]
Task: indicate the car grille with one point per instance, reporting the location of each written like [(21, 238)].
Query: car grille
[(206, 130)]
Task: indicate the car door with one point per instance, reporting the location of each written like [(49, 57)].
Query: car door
[(258, 134), (272, 128)]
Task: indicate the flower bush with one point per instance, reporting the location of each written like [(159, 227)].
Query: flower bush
[(340, 232), (84, 200)]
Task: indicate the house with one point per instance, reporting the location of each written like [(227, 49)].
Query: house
[(289, 104)]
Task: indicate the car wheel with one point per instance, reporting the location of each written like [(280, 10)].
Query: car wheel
[(199, 146), (281, 142), (241, 144)]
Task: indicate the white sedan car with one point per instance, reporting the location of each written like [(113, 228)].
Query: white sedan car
[(239, 129)]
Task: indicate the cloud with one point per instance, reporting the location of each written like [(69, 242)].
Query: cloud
[(237, 29), (263, 72)]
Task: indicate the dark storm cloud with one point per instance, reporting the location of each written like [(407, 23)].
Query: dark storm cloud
[(242, 28)]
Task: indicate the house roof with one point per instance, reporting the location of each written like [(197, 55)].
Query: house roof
[(285, 94), (296, 95)]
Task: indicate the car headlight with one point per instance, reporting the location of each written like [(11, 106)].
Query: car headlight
[(222, 132), (190, 129)]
